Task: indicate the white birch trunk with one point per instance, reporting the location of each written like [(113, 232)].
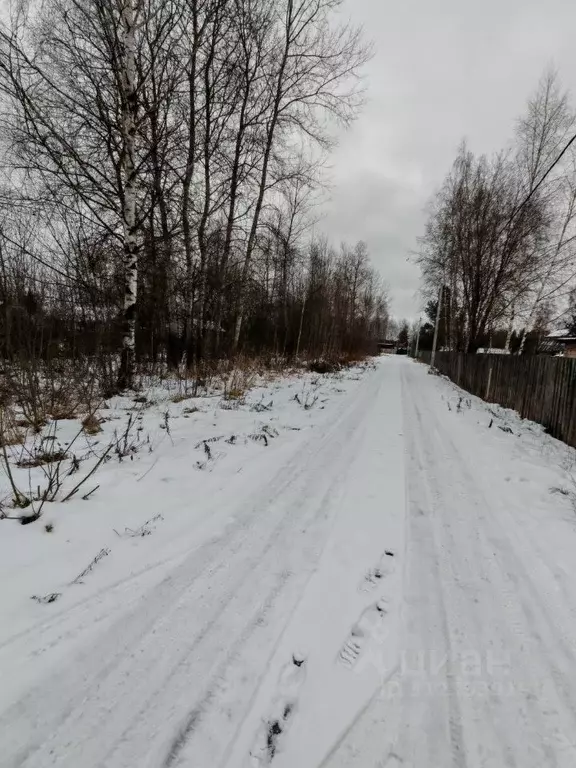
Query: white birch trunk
[(129, 109), (509, 334)]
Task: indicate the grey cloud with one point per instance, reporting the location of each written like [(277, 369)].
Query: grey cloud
[(443, 70)]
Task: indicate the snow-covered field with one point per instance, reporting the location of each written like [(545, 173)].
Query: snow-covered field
[(370, 568)]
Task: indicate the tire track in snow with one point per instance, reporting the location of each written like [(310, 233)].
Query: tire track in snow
[(321, 517), (372, 518), (472, 553), (518, 581), (192, 719), (58, 707), (497, 600), (428, 539)]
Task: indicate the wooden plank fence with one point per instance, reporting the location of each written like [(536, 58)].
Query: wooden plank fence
[(540, 388)]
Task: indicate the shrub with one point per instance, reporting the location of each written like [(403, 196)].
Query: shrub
[(40, 457), (324, 366), (239, 382), (180, 398), (91, 425)]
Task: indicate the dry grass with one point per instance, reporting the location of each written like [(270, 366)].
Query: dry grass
[(352, 358), (234, 394), (333, 364), (180, 398), (11, 437), (91, 425), (57, 390), (239, 381), (11, 428), (324, 366), (233, 377), (35, 425), (64, 411), (41, 457)]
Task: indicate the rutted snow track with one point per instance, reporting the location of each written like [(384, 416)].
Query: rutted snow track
[(398, 590), (488, 670), (169, 680)]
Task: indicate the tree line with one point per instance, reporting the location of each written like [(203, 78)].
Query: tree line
[(499, 248), (161, 160)]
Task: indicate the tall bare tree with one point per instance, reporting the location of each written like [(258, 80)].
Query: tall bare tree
[(312, 65), (479, 243), (542, 133), (166, 152)]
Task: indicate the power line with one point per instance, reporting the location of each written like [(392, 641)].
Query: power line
[(539, 184)]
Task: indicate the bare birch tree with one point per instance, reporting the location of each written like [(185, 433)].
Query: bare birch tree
[(313, 68), (541, 135), (129, 119), (160, 154)]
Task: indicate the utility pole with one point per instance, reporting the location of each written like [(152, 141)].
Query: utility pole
[(438, 312)]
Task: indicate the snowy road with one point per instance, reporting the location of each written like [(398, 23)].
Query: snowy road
[(487, 676), (396, 587)]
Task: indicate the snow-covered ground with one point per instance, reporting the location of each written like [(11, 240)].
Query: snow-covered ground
[(377, 572), (487, 669)]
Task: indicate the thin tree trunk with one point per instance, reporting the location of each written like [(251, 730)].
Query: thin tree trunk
[(509, 334), (263, 176), (129, 107), (203, 223), (186, 185), (234, 184), (300, 327)]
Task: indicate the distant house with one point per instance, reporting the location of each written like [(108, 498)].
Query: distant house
[(387, 347), (558, 343)]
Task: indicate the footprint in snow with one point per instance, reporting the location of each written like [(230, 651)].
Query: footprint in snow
[(282, 710), (368, 626), (375, 575)]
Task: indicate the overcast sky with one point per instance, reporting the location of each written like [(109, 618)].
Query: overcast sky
[(443, 70)]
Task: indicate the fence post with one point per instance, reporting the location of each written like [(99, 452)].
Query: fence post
[(489, 381), (435, 340)]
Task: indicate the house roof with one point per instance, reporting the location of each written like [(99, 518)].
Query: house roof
[(550, 346)]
